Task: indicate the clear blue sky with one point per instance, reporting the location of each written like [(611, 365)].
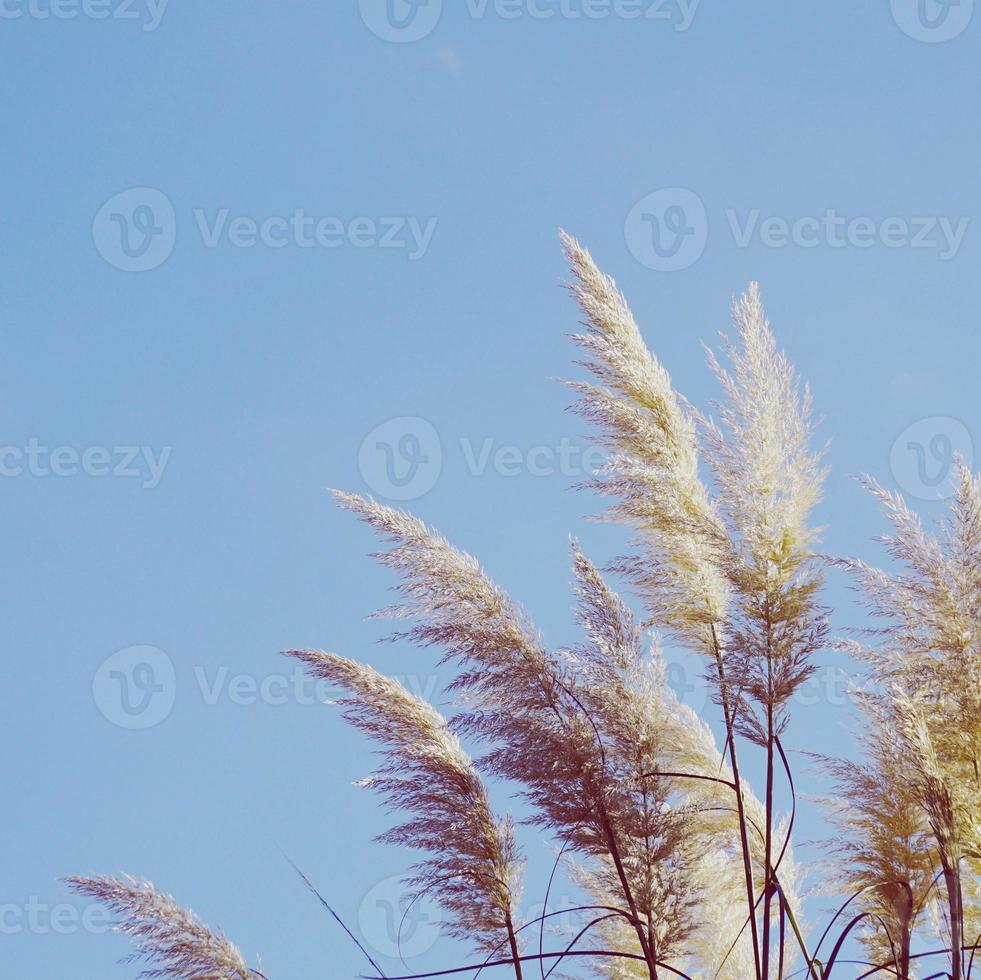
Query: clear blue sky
[(249, 378)]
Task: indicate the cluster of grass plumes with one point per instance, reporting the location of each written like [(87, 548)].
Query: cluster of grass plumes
[(686, 871), (923, 697)]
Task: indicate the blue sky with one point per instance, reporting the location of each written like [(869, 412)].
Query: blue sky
[(238, 238)]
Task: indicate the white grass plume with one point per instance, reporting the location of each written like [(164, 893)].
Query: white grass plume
[(653, 464), (883, 849), (768, 481), (171, 938), (472, 867), (545, 728), (925, 670)]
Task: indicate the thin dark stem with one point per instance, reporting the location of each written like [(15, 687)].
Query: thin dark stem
[(768, 837), (548, 889), (541, 919), (544, 956), (851, 898), (607, 825), (851, 925), (728, 714), (970, 962), (783, 931), (952, 881), (888, 968), (337, 918), (582, 932), (625, 885), (688, 775), (512, 939)]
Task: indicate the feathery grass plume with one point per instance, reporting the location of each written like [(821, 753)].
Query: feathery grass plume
[(937, 799), (473, 867), (886, 854), (652, 470), (531, 709), (717, 825), (717, 941), (653, 464), (971, 903), (928, 663), (768, 481), (649, 736), (171, 938), (931, 644), (621, 691)]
